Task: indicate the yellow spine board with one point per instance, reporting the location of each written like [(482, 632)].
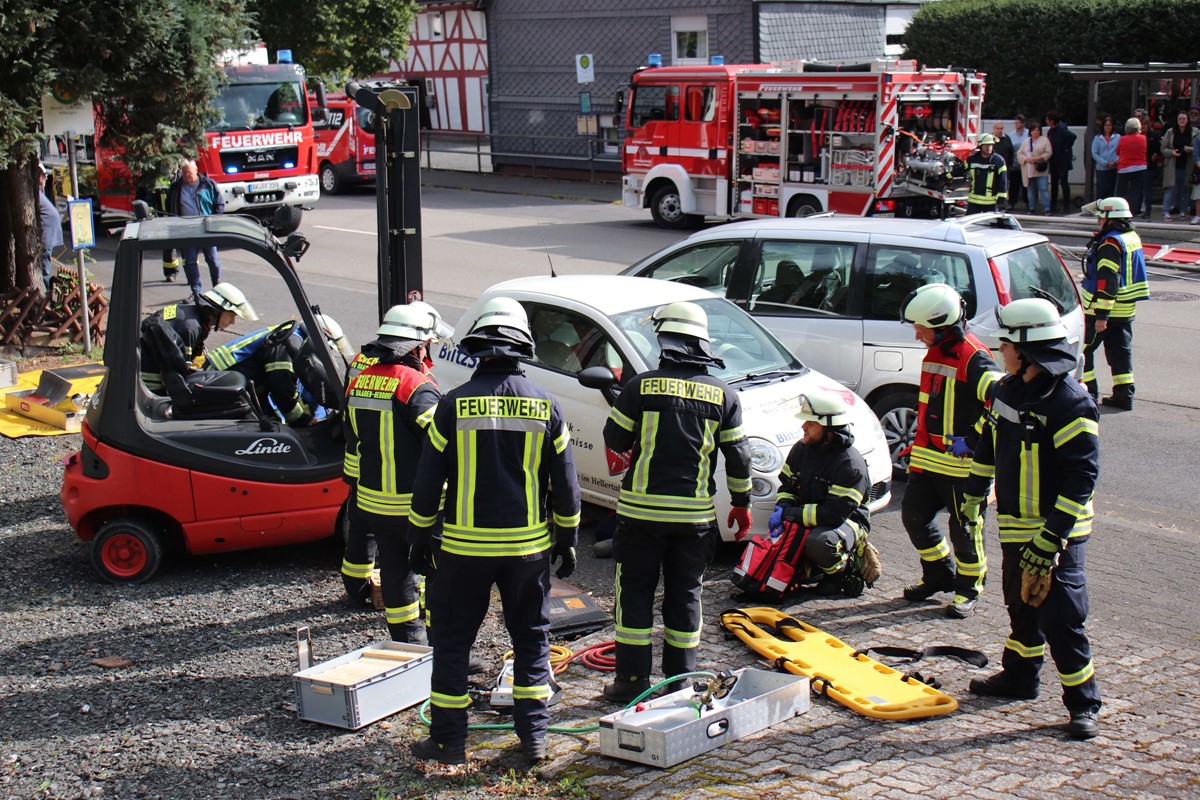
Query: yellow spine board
[(858, 682)]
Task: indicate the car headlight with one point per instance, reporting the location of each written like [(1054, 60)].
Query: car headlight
[(764, 455)]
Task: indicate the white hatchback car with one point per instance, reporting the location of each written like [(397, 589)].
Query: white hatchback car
[(830, 288), (592, 333)]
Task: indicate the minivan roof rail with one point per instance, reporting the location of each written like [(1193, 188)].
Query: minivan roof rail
[(954, 230)]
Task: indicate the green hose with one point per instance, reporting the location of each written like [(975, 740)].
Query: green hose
[(423, 712)]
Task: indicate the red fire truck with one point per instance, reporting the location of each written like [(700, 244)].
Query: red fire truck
[(260, 145), (797, 138), (345, 149)]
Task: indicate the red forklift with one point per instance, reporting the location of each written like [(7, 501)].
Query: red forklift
[(202, 469)]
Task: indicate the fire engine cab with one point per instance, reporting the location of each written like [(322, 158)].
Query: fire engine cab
[(798, 138), (345, 145)]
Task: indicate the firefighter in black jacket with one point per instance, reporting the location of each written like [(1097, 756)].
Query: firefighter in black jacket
[(987, 178), (1042, 447), (174, 336), (389, 405), (674, 419), (497, 445), (402, 322), (824, 488)]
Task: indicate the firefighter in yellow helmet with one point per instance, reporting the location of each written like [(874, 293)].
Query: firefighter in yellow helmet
[(498, 446), (987, 178), (675, 419)]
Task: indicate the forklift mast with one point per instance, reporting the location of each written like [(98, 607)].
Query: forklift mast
[(395, 123)]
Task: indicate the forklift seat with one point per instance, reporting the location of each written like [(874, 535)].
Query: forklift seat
[(211, 394)]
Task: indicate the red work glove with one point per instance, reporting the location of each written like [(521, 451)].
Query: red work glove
[(742, 517)]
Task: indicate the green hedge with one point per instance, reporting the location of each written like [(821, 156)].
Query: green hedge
[(1019, 44)]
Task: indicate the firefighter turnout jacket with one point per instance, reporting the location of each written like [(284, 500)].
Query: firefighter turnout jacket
[(388, 409), (498, 443), (267, 360), (1041, 444), (987, 179), (675, 419), (825, 485), (1114, 276), (957, 378), (170, 339)]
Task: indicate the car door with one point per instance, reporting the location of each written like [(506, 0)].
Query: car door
[(565, 342), (802, 290)]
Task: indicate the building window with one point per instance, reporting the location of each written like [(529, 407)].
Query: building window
[(436, 23), (690, 40)]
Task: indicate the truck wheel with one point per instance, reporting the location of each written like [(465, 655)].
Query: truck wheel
[(667, 208), (286, 220), (897, 412), (126, 550), (330, 182), (804, 206)]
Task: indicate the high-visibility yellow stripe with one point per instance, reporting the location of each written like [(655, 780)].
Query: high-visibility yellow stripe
[(808, 515), (731, 434), (685, 640), (641, 469), (1076, 678), (436, 438), (1025, 651), (708, 443), (846, 491), (936, 553), (401, 614), (620, 419), (1123, 379), (532, 460), (737, 484), (561, 521), (1029, 486), (1075, 509), (466, 445), (540, 692), (352, 570), (449, 700), (1072, 429)]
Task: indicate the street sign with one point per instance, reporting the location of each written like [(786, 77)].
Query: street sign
[(59, 117), (83, 232), (585, 68)]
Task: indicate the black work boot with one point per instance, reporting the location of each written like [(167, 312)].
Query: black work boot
[(936, 576), (1083, 725), (428, 750), (829, 585), (624, 688), (961, 607), (534, 750), (1003, 684)]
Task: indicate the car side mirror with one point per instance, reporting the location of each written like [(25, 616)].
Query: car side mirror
[(602, 379)]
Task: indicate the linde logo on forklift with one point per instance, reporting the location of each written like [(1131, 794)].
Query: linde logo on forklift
[(264, 446), (227, 141)]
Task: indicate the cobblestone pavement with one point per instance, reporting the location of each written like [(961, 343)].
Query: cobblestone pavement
[(1146, 661)]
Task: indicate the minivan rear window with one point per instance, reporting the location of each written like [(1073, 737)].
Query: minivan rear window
[(1037, 271)]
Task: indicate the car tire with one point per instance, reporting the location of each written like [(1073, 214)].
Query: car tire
[(897, 412), (666, 206), (126, 550), (330, 182), (287, 223)]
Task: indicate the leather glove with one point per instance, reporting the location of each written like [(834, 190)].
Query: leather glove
[(421, 558), (960, 448), (776, 521), (1034, 589), (567, 553), (742, 517), (1040, 553)]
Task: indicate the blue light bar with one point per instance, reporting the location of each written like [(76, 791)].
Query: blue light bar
[(654, 59), (231, 169), (716, 61), (288, 164), (283, 56)]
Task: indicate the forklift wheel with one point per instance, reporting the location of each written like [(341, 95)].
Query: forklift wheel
[(126, 550)]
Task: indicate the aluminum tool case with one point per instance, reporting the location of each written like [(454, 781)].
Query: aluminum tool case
[(667, 731), (365, 685)]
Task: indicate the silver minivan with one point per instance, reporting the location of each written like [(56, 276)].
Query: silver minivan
[(830, 288)]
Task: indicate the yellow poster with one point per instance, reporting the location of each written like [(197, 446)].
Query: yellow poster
[(83, 234)]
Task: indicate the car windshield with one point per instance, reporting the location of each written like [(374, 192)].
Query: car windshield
[(1037, 272), (745, 346), (267, 104)]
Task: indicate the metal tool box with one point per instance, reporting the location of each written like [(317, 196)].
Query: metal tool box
[(365, 685), (673, 728)]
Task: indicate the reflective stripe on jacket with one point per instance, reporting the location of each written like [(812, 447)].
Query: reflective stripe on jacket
[(1114, 276)]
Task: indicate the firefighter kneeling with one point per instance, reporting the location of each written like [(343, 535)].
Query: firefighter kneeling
[(824, 488)]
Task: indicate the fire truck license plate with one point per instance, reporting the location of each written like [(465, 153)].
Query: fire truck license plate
[(368, 166), (265, 186)]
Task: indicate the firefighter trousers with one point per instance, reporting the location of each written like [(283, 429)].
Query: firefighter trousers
[(1117, 340), (1057, 622), (680, 553), (829, 549), (458, 601), (397, 581), (358, 559), (925, 496)]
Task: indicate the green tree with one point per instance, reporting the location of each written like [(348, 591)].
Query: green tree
[(1019, 44), (337, 38), (148, 65)]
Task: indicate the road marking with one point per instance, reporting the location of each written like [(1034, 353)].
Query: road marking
[(346, 230)]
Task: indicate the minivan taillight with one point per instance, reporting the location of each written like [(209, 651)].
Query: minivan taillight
[(1001, 286)]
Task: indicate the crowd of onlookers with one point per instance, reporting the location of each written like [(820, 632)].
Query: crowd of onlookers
[(1128, 157)]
